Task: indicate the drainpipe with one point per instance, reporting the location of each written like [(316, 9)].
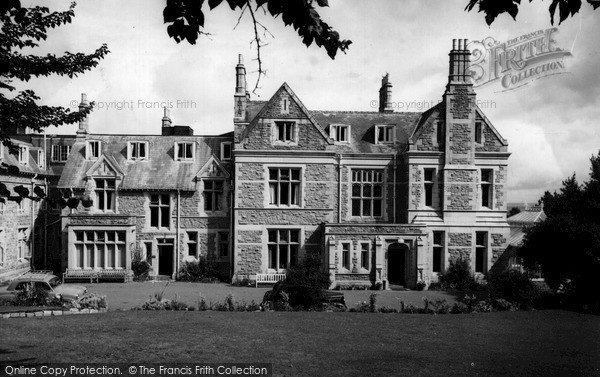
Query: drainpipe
[(231, 229), (395, 191), (46, 225), (339, 214), (177, 235), (32, 244)]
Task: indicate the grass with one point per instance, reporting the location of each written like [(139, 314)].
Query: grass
[(548, 343)]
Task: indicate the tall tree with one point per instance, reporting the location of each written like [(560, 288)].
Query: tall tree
[(566, 245), (23, 28)]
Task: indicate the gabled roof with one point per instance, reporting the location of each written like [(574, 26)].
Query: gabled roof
[(261, 113), (494, 130), (362, 128), (527, 217), (159, 172), (213, 168), (105, 161), (10, 163)]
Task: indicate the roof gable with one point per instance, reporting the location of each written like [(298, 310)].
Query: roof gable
[(213, 169), (105, 166)]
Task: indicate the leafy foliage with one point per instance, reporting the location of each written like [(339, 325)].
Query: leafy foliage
[(494, 8), (203, 270), (186, 20), (31, 295), (513, 287), (567, 243), (513, 211), (457, 276), (140, 267), (24, 28)]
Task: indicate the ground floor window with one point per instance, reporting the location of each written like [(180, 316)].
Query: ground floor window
[(346, 256), (480, 251), (283, 248), (223, 244), (365, 256), (100, 249), (438, 251)]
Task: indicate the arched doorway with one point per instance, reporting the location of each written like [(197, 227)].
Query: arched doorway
[(397, 263)]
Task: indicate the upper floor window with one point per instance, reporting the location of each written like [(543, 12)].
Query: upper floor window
[(160, 210), (428, 186), (284, 186), (283, 248), (23, 154), (92, 150), (213, 195), (184, 151), (137, 150), (285, 131), (480, 251), (367, 193), (339, 132), (41, 159), (384, 134), (478, 132), (285, 105), (60, 153), (105, 194), (226, 149), (487, 187)]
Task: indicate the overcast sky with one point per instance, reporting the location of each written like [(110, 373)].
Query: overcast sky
[(551, 124)]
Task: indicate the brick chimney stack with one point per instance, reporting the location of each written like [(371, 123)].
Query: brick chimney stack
[(385, 95), (459, 63), (83, 123)]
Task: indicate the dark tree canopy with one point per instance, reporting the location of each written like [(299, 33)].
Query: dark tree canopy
[(494, 8), (566, 245), (24, 28)]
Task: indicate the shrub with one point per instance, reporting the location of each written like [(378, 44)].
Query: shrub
[(457, 276), (501, 304), (31, 295), (515, 287), (303, 286), (90, 301), (140, 267), (202, 270), (373, 303)]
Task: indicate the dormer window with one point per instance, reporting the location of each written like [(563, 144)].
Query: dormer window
[(23, 154), (285, 131), (92, 149), (384, 134), (339, 132), (41, 159), (60, 153), (137, 150), (184, 151), (226, 148)]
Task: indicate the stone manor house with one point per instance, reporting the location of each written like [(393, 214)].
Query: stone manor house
[(382, 197)]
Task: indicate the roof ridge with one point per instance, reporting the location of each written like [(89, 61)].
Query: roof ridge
[(368, 112)]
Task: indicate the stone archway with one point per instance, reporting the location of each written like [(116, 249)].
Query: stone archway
[(397, 263)]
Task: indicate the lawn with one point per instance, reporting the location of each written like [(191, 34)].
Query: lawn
[(125, 296), (545, 343)]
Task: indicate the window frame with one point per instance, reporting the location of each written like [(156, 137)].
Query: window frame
[(481, 252), (215, 199), (389, 134), (292, 133), (278, 243), (131, 149), (345, 248), (274, 195), (487, 189), (178, 145), (365, 263), (223, 244), (439, 132), (478, 132), (334, 133), (108, 249), (56, 155), (106, 194), (41, 159), (438, 247), (89, 149), (23, 156), (372, 198), (159, 206), (428, 186), (192, 243), (223, 155)]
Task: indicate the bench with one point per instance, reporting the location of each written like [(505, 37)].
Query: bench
[(96, 275), (268, 278), (333, 297), (76, 274)]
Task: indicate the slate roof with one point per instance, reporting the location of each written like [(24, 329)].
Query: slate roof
[(362, 128), (519, 221), (10, 163), (159, 172)]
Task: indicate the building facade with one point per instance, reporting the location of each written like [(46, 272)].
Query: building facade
[(382, 198)]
